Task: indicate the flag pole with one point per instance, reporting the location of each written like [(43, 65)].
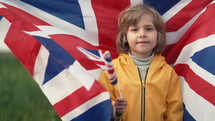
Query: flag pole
[(119, 89)]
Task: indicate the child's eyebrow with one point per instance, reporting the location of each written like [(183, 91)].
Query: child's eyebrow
[(133, 26), (148, 25)]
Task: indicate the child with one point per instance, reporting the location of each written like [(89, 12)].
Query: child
[(150, 87)]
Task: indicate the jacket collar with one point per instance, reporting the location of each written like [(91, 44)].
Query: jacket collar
[(157, 61)]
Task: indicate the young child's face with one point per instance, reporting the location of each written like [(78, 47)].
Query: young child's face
[(142, 38)]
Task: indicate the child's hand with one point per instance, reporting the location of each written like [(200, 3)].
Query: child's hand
[(120, 105)]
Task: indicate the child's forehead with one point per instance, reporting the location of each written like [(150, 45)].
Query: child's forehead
[(145, 18), (137, 18)]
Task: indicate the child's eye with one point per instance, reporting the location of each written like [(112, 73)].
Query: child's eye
[(149, 29), (134, 29)]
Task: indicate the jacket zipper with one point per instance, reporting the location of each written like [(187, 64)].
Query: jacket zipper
[(143, 88)]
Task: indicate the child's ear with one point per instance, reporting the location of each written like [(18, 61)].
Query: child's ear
[(125, 39)]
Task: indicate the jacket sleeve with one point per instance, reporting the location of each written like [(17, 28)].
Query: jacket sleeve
[(175, 109), (105, 82)]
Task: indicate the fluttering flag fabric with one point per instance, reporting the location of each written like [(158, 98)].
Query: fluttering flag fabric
[(74, 93), (190, 44), (195, 65), (44, 36), (103, 60)]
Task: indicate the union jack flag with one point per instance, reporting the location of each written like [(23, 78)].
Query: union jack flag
[(190, 47), (103, 60), (45, 34)]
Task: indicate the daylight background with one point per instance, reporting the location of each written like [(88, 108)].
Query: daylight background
[(20, 97)]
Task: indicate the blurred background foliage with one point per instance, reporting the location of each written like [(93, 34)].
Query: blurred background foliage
[(20, 96)]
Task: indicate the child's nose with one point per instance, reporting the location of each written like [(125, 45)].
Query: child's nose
[(142, 34)]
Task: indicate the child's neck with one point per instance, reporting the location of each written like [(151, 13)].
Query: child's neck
[(142, 56)]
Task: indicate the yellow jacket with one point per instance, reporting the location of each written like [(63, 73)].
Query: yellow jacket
[(160, 92)]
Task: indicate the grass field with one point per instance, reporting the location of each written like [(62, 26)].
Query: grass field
[(20, 97)]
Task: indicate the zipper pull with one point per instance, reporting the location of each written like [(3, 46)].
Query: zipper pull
[(143, 84)]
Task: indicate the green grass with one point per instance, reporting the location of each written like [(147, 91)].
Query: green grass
[(20, 97)]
